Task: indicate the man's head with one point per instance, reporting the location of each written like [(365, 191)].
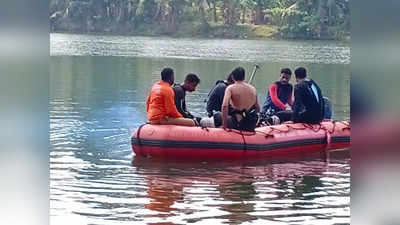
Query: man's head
[(229, 79), (191, 82), (238, 74), (285, 76), (167, 75), (300, 73)]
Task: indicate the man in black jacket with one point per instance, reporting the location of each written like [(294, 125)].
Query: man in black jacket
[(216, 95), (308, 106)]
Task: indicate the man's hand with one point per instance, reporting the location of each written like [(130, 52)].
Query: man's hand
[(288, 107)]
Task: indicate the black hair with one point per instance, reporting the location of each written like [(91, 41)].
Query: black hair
[(192, 78), (166, 74), (286, 71), (300, 73), (238, 73), (229, 79)]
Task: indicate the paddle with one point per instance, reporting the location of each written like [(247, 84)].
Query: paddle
[(256, 67)]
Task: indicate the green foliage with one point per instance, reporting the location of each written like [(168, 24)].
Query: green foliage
[(312, 19), (231, 31), (263, 31), (308, 19)]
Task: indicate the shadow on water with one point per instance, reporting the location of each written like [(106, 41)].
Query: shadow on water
[(235, 188)]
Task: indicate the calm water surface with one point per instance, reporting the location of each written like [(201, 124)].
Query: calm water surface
[(99, 85)]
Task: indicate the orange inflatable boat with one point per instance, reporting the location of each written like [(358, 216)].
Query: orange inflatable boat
[(168, 141)]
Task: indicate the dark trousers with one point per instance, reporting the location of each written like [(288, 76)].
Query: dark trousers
[(284, 116)]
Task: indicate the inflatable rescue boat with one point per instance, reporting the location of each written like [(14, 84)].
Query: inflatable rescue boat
[(169, 141)]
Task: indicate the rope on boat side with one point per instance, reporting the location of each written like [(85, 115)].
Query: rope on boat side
[(244, 141), (316, 128), (139, 143)]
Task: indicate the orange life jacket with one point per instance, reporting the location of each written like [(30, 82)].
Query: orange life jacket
[(160, 102)]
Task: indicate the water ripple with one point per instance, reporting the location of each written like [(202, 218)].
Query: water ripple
[(327, 52)]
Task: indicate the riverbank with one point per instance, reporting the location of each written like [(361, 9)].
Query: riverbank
[(198, 30), (185, 30), (192, 30)]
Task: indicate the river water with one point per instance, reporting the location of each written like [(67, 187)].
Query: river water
[(98, 89)]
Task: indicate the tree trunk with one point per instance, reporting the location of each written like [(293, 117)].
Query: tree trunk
[(157, 14), (130, 11), (214, 10), (230, 13), (244, 15), (258, 15), (108, 11), (202, 12), (224, 12), (171, 20), (121, 14)]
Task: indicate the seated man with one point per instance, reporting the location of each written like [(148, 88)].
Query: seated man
[(161, 108), (279, 100), (279, 95), (243, 99), (190, 84), (308, 104), (216, 96)]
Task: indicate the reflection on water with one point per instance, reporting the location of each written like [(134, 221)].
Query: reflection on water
[(305, 189), (97, 102)]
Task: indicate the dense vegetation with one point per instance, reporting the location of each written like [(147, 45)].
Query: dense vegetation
[(306, 19)]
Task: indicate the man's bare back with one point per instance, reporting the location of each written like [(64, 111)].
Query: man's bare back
[(242, 95)]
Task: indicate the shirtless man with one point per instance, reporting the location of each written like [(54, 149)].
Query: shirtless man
[(243, 99)]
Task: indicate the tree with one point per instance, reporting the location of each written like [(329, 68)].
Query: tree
[(230, 11), (213, 7), (258, 8), (294, 18)]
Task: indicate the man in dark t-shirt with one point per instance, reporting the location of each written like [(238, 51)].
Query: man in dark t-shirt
[(190, 84)]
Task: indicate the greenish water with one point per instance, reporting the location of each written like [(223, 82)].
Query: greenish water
[(98, 89), (111, 80)]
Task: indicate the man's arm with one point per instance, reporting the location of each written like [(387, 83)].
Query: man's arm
[(225, 106), (148, 103), (184, 112), (215, 99), (298, 102), (178, 99), (170, 106), (257, 105), (290, 97), (265, 106), (273, 92)]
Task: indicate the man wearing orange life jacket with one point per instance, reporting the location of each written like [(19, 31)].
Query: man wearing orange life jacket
[(161, 107)]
